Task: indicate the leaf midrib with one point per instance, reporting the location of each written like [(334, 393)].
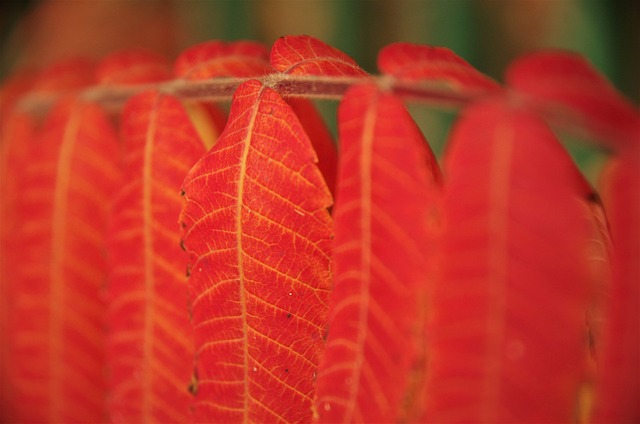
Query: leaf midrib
[(367, 139), (497, 278), (239, 234), (58, 250), (149, 254)]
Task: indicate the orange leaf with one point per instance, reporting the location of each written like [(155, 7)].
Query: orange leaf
[(218, 59), (387, 177), (566, 83), (415, 62), (259, 238), (57, 325), (507, 315), (305, 55), (150, 345), (619, 365)]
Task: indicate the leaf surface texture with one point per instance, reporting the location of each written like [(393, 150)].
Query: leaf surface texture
[(507, 314), (259, 236), (381, 263), (619, 364), (415, 62), (150, 343), (57, 344), (305, 55), (567, 83)]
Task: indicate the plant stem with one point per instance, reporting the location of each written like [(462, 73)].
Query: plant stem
[(112, 97)]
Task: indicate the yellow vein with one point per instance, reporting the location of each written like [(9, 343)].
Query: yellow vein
[(243, 300), (365, 253), (149, 283), (58, 250), (500, 177)]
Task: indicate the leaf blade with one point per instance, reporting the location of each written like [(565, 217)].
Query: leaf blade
[(58, 338), (570, 85), (321, 138), (618, 386), (219, 59), (415, 62), (513, 243), (305, 55), (380, 260), (245, 224), (150, 346), (130, 67)]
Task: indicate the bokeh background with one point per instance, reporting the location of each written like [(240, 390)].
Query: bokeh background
[(487, 33)]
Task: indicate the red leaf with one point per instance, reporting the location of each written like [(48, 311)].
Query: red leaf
[(133, 67), (69, 74), (259, 238), (321, 138), (386, 192), (57, 327), (218, 59), (208, 120), (619, 365), (12, 91), (415, 62), (18, 130), (150, 345), (507, 315), (567, 84), (305, 55)]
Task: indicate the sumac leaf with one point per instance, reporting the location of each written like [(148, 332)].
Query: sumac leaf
[(150, 343), (208, 119), (18, 130), (219, 59), (215, 59), (507, 314), (57, 315), (619, 364), (564, 83), (321, 138), (385, 199), (132, 67), (415, 62), (12, 91), (65, 75), (305, 55), (259, 237)]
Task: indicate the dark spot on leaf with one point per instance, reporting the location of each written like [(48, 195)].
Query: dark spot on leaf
[(182, 245), (193, 386), (593, 197), (286, 370), (188, 271), (288, 315), (182, 192)]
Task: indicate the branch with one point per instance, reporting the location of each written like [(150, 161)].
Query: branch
[(221, 89)]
